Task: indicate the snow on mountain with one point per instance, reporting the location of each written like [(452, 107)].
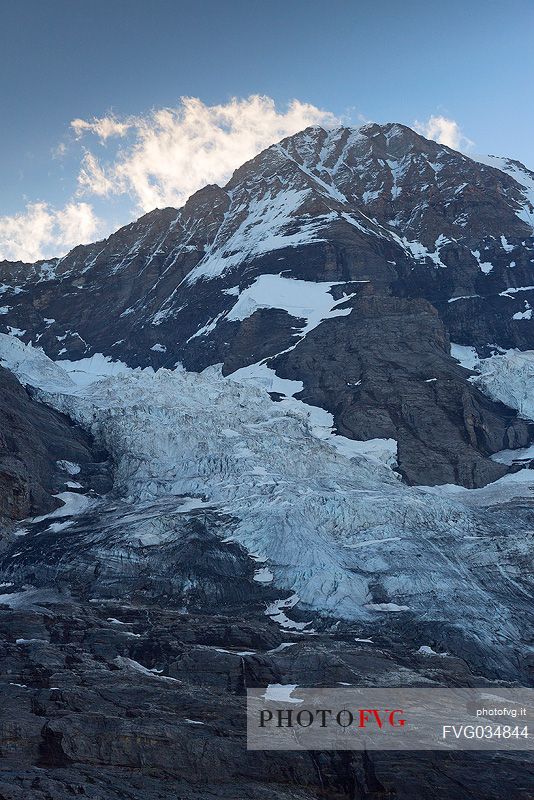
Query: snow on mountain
[(319, 421), (31, 366), (519, 173), (378, 203), (266, 228), (302, 299), (466, 356)]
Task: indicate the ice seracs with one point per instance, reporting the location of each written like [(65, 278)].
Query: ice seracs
[(509, 377), (335, 531)]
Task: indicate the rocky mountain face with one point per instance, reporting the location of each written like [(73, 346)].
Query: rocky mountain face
[(112, 688), (413, 244), (279, 519), (38, 447)]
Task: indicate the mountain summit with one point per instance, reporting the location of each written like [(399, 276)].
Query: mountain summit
[(345, 259)]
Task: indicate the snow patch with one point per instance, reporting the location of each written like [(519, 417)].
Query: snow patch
[(302, 299), (512, 456), (281, 692), (69, 466), (388, 607), (73, 504), (426, 650), (56, 527), (276, 612), (526, 314), (263, 575), (467, 356)]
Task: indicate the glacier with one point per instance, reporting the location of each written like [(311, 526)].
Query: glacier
[(509, 377), (334, 528)]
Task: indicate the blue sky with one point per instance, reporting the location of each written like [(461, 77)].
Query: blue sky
[(123, 60)]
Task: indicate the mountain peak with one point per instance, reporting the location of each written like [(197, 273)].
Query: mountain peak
[(308, 247)]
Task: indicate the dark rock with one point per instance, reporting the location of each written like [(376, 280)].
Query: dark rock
[(385, 371), (33, 438)]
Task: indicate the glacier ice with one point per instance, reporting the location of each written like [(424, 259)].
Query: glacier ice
[(335, 528), (509, 377)]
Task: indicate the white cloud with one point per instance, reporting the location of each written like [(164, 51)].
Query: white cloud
[(443, 130), (92, 177), (176, 151), (104, 128), (41, 231), (59, 151)]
